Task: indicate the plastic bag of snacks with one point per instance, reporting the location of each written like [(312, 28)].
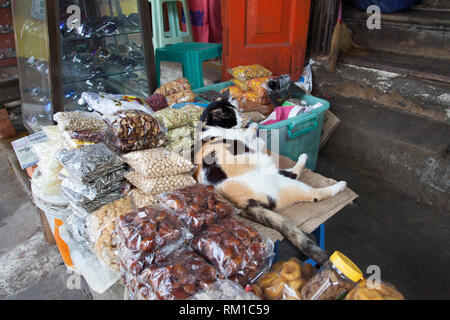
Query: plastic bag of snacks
[(91, 162), (181, 278), (235, 92), (89, 136), (384, 292), (131, 145), (258, 83), (224, 290), (97, 185), (181, 145), (194, 113), (79, 121), (257, 96), (197, 206), (88, 191), (159, 185), (134, 124), (172, 118), (70, 144), (53, 133), (85, 205), (103, 224), (245, 106), (179, 133), (181, 97), (157, 163), (335, 279), (141, 199), (107, 104), (241, 84), (236, 249), (244, 73), (173, 87), (284, 281)]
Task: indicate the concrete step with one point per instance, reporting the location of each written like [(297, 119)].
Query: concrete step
[(405, 150), (421, 32), (401, 90)]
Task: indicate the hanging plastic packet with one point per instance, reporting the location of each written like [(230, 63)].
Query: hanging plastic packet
[(306, 80), (281, 89)]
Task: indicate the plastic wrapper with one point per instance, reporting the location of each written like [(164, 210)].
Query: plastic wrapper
[(131, 145), (89, 136), (53, 133), (148, 236), (241, 84), (236, 249), (159, 185), (180, 278), (194, 113), (236, 92), (80, 229), (384, 292), (185, 96), (182, 145), (281, 89), (134, 124), (244, 73), (107, 104), (91, 162), (172, 118), (141, 199), (197, 206), (179, 133), (224, 290), (49, 185), (70, 144), (258, 83), (157, 163), (49, 166), (103, 225), (173, 87), (79, 121), (97, 185), (88, 206), (284, 281), (88, 191), (306, 80), (245, 106), (257, 96)]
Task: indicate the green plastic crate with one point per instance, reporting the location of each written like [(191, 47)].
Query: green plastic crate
[(297, 135), (300, 134)]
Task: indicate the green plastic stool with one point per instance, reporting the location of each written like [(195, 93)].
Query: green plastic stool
[(191, 55), (174, 35)]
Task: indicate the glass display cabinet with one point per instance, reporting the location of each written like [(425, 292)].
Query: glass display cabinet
[(66, 47)]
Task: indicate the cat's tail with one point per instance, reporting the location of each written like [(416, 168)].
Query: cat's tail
[(288, 229)]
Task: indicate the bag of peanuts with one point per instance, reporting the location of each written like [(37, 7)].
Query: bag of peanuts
[(142, 199), (157, 163), (284, 281), (79, 121), (172, 118), (173, 87), (185, 96), (159, 185)]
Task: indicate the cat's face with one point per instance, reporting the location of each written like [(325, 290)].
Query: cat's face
[(221, 114)]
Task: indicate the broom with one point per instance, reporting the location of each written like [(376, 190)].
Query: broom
[(341, 41)]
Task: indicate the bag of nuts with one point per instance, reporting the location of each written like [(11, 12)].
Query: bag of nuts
[(79, 121), (159, 185), (157, 163), (134, 124)]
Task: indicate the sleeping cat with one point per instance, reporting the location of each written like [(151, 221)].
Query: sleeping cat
[(236, 162)]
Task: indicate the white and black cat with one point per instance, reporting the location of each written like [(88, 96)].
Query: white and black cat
[(238, 164)]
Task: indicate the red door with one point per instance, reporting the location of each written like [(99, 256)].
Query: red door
[(271, 33)]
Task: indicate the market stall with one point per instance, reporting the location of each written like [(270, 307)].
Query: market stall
[(127, 201)]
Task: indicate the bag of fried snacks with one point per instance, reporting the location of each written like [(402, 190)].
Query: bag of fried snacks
[(383, 291), (244, 73), (284, 281)]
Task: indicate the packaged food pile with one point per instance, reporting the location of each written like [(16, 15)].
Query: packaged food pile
[(384, 292), (180, 124), (158, 170), (284, 281), (135, 130), (251, 91), (235, 249), (93, 177), (178, 91), (224, 290)]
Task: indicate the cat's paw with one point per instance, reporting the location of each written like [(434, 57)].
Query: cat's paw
[(302, 159)]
